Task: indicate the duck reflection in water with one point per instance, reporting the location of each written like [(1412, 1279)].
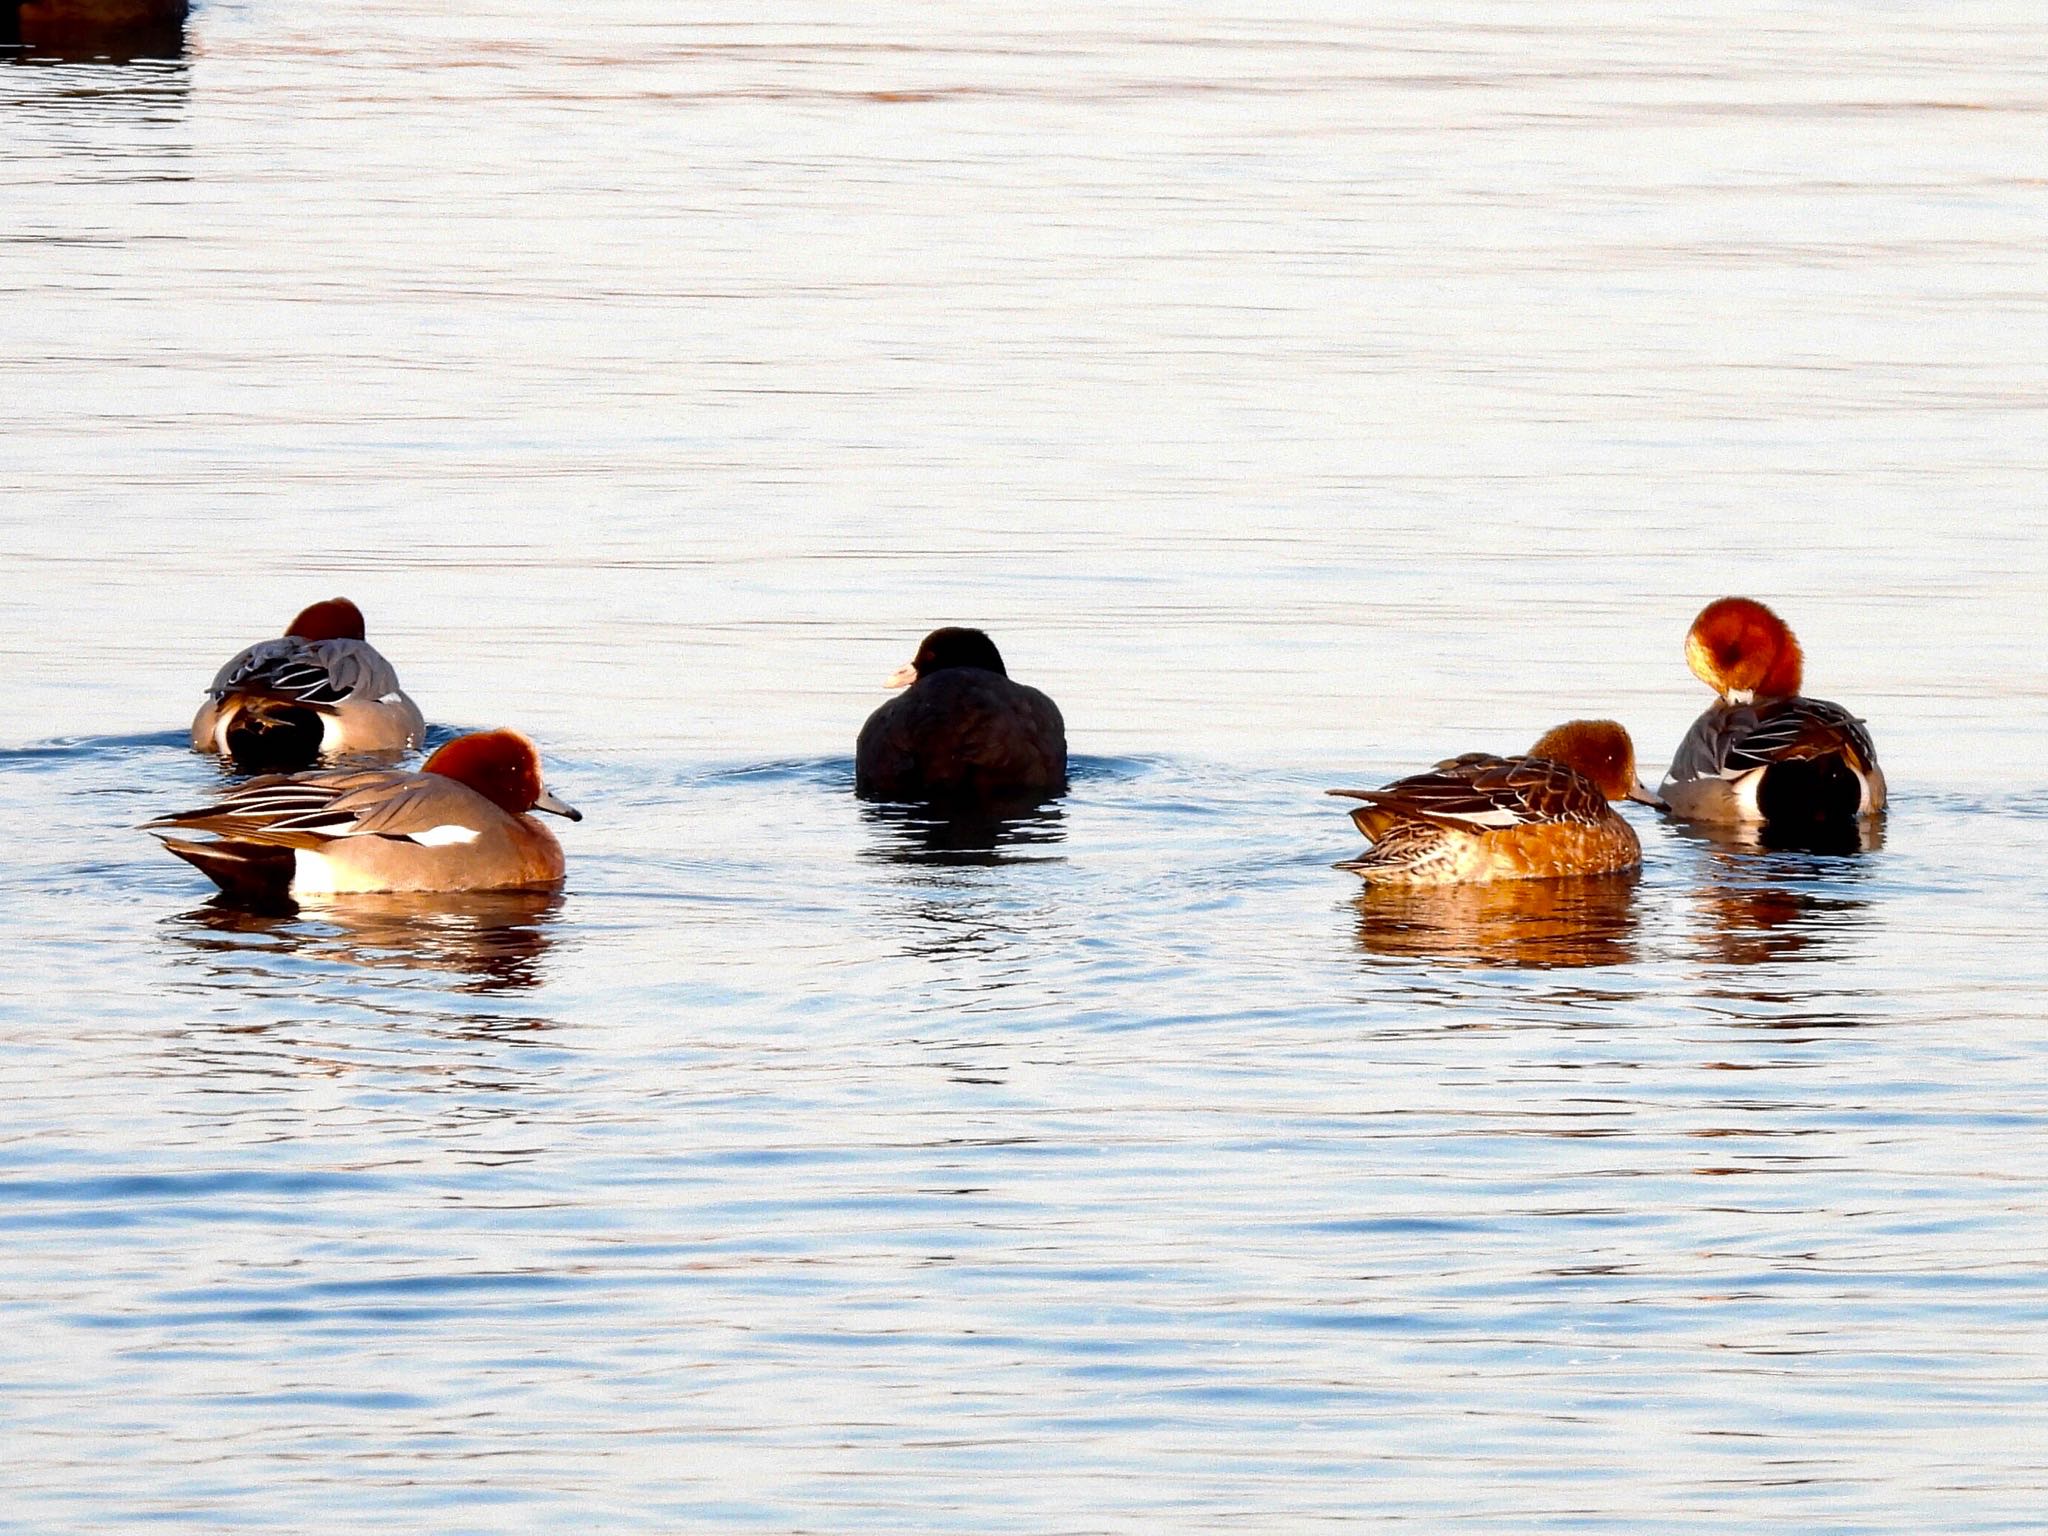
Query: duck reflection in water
[(983, 930), (111, 31), (1838, 838), (1765, 896), (992, 831), (491, 941), (1523, 924)]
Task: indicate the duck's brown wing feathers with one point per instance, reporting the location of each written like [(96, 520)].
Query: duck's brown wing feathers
[(1480, 791), (307, 810)]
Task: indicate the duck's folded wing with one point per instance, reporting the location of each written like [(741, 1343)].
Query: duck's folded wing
[(313, 809), (320, 674), (283, 669), (426, 808), (1482, 792), (1798, 730), (356, 669), (1730, 742), (1704, 752), (251, 662)]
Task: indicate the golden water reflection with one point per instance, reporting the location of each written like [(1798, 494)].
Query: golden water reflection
[(1527, 924), (1759, 901)]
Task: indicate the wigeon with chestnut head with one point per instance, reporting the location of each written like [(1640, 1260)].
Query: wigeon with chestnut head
[(1539, 816), (1764, 752), (962, 732), (459, 824), (321, 690)]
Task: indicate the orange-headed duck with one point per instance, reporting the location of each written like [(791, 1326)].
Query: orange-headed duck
[(1763, 752), (962, 732), (321, 690), (460, 824), (1481, 817)]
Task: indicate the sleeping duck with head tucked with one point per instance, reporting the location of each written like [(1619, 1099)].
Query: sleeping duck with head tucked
[(1539, 816), (320, 690), (1763, 752)]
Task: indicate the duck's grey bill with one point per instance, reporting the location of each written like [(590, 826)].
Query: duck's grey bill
[(1643, 796), (547, 802)]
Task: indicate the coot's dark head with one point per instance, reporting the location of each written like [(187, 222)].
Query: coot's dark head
[(947, 648)]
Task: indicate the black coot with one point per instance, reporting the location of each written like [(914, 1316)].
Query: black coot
[(962, 732)]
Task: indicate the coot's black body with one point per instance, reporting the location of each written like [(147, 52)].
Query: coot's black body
[(963, 732)]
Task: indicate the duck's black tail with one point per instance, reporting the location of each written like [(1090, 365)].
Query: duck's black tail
[(1809, 792), (259, 874), (272, 735)]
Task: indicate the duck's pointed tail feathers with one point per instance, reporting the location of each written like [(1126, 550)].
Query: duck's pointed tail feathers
[(254, 872), (1371, 818)]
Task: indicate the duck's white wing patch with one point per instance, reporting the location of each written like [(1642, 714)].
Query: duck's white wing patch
[(444, 836), (1498, 816)]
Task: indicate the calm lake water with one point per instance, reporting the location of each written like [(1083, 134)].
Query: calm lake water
[(1297, 399)]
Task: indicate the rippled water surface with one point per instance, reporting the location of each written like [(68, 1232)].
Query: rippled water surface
[(1298, 398)]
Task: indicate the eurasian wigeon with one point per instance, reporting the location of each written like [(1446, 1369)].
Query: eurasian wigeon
[(321, 690), (1763, 752), (460, 824), (1481, 817), (963, 731)]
